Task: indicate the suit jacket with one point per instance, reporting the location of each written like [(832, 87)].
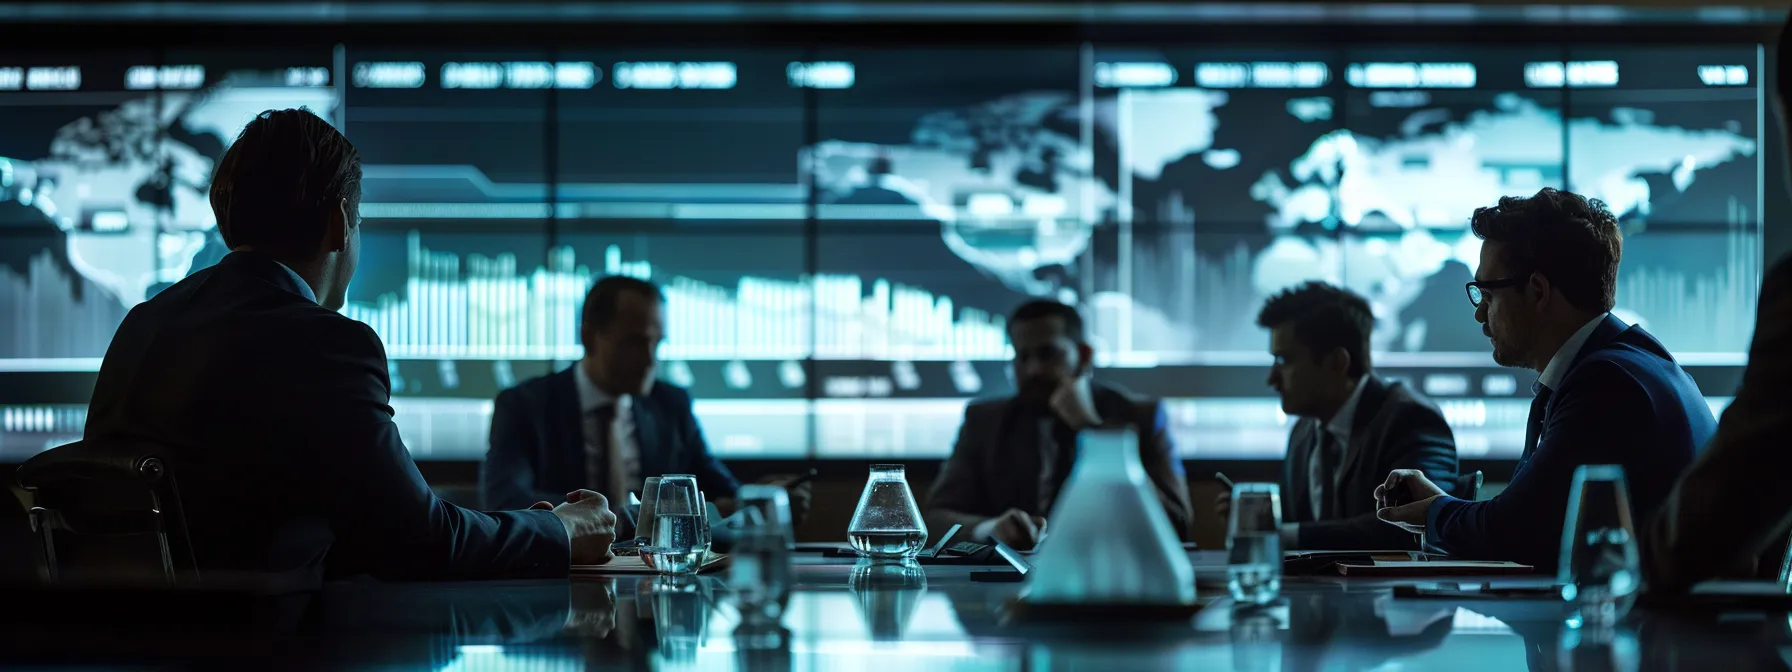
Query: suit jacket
[(1394, 428), (1624, 401), (1733, 503), (537, 450), (276, 412), (981, 479)]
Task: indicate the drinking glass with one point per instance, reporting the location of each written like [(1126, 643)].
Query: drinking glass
[(1254, 543), (887, 525), (679, 530), (760, 575), (1600, 570), (650, 489)]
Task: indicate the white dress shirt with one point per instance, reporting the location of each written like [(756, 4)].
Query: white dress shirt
[(622, 462)]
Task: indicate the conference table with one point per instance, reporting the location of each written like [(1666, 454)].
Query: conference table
[(845, 615)]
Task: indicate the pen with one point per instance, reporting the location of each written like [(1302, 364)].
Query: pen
[(1223, 479)]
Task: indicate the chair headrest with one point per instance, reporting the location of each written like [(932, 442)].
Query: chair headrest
[(95, 460)]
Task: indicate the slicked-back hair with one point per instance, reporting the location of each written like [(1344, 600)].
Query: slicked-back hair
[(282, 177), (1572, 240), (1040, 308), (1324, 317), (606, 294)]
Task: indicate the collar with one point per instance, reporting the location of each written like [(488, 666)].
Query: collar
[(592, 397), (304, 288), (1345, 418), (1557, 369)]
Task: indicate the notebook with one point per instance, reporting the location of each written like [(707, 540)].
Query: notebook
[(1403, 568), (634, 564)]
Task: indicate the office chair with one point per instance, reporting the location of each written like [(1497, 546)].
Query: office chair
[(1468, 486), (107, 510)]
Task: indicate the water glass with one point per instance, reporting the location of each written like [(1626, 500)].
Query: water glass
[(1254, 543), (760, 575), (1600, 570), (650, 489), (680, 534), (887, 525)]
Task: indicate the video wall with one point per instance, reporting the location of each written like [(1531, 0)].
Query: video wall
[(840, 232)]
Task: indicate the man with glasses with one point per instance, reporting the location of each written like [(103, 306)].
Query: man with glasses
[(1606, 392)]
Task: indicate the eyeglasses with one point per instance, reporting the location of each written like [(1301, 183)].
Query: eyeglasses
[(1477, 291)]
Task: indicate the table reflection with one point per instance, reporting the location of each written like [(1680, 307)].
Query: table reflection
[(882, 618)]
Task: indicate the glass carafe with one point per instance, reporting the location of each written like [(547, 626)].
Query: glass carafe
[(887, 525), (1111, 541)]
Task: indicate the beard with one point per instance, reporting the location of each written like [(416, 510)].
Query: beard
[(1506, 353)]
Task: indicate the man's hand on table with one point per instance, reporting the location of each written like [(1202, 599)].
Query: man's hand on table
[(1405, 499), (589, 524), (1014, 527)]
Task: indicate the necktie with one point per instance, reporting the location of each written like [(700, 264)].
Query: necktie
[(600, 426), (1317, 471), (1533, 427)]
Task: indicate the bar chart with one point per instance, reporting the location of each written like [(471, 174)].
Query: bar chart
[(487, 307)]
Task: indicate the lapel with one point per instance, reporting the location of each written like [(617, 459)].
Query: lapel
[(656, 458), (566, 442), (1375, 394), (1610, 330)]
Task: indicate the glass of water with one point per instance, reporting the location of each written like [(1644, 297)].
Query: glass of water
[(1600, 570), (760, 575), (1254, 543), (680, 538)]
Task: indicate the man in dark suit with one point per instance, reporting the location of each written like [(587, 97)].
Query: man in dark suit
[(1013, 454), (276, 408), (1607, 392), (605, 422), (1731, 511), (1354, 427)]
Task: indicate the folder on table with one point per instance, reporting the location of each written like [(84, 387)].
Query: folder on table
[(634, 564), (1410, 568)]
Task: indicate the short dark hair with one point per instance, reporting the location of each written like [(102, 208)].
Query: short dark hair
[(1324, 317), (1041, 308), (1570, 239), (276, 186), (606, 294)]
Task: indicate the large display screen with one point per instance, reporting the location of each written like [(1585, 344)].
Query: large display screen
[(840, 232)]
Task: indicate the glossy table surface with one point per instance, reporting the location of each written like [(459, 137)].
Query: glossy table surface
[(839, 620)]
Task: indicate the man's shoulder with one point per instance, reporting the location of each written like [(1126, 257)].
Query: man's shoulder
[(1139, 408), (987, 407), (532, 390), (1403, 400), (668, 395)]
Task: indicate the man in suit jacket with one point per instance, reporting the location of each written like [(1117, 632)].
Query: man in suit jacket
[(605, 422), (1607, 392), (276, 408), (1354, 427), (1013, 454), (1732, 510)]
